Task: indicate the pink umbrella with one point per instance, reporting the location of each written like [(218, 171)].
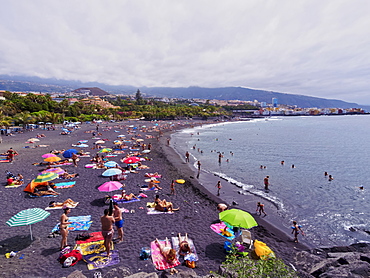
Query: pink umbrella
[(110, 186), (48, 155), (132, 159)]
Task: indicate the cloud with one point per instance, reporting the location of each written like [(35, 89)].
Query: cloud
[(304, 47)]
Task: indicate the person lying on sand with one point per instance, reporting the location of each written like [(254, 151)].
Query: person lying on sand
[(67, 203), (163, 205), (66, 175), (184, 247), (167, 252), (127, 197)]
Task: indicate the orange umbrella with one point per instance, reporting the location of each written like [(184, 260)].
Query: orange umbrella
[(52, 159)]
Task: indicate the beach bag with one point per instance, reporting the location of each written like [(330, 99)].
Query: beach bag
[(71, 258), (83, 236), (145, 253), (190, 264)]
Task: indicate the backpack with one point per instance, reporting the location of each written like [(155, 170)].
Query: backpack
[(190, 264)]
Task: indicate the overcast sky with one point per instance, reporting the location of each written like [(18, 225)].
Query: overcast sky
[(314, 47)]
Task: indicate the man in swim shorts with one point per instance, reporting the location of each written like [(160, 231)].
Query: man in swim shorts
[(118, 221), (107, 230)]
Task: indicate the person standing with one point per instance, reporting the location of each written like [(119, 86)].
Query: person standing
[(199, 164), (261, 208), (118, 221), (219, 186), (296, 230), (107, 230), (74, 159), (266, 182), (11, 153), (172, 187), (63, 227), (187, 157)]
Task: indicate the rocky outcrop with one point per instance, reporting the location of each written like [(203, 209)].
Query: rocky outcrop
[(341, 261)]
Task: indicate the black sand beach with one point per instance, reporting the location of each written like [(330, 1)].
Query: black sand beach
[(197, 208)]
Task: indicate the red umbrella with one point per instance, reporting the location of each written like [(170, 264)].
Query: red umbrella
[(132, 159)]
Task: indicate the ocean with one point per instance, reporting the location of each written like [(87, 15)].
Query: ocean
[(333, 212)]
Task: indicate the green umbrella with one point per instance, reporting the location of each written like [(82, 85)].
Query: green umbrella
[(28, 217), (49, 176), (238, 218)]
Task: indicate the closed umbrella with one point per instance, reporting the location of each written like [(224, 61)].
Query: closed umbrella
[(49, 176), (68, 153), (110, 164), (27, 218), (238, 218), (110, 186), (111, 172), (52, 159)]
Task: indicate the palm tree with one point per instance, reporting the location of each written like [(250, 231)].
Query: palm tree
[(23, 119)]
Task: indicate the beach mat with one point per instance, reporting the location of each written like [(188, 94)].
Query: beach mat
[(13, 186), (176, 246), (34, 196), (67, 184), (79, 223), (219, 227), (159, 261), (153, 211), (95, 261), (94, 236), (117, 199), (4, 160)]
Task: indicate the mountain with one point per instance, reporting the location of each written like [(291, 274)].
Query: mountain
[(27, 84)]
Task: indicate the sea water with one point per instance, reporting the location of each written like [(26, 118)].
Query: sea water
[(332, 212)]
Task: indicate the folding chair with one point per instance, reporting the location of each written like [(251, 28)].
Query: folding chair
[(247, 238)]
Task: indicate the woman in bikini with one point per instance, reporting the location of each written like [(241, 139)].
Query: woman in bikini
[(167, 252), (184, 247), (63, 227)]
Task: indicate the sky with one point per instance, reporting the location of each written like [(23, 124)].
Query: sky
[(317, 48)]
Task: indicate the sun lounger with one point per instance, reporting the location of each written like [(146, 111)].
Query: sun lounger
[(159, 261)]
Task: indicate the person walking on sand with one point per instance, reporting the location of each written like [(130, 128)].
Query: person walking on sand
[(107, 230), (187, 157), (63, 226), (11, 153), (118, 221), (296, 230), (74, 159), (261, 208), (219, 186), (199, 164), (266, 182), (172, 187)]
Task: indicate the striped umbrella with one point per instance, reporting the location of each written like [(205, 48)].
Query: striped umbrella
[(105, 150), (28, 217), (49, 176)]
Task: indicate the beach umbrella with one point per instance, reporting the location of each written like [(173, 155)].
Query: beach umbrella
[(52, 159), (110, 186), (238, 218), (110, 164), (27, 218), (82, 146), (48, 155), (105, 150), (111, 172), (56, 170), (68, 153), (49, 176), (132, 159)]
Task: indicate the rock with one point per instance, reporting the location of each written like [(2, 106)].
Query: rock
[(76, 274), (188, 273), (305, 260), (119, 272), (142, 275)]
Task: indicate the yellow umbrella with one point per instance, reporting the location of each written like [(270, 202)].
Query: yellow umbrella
[(52, 159)]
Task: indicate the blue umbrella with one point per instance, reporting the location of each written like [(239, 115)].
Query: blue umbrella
[(111, 172), (68, 153), (110, 164)]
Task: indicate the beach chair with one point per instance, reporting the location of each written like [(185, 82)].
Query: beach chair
[(247, 238)]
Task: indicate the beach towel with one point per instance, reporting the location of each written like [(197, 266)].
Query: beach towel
[(94, 236), (79, 223), (13, 185), (220, 228), (159, 261), (111, 155), (60, 207), (118, 200), (95, 261), (176, 246), (67, 184), (148, 189), (35, 196), (4, 160)]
